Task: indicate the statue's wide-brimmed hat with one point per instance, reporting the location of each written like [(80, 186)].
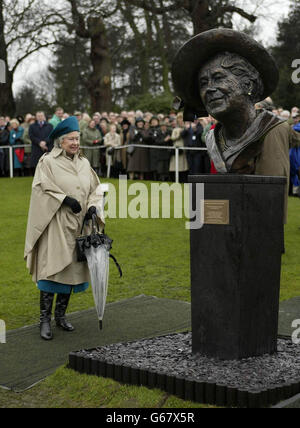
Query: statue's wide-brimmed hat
[(197, 51)]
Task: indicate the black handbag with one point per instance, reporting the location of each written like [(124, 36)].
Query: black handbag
[(96, 239), (130, 150)]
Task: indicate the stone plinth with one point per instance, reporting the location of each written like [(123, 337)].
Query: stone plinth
[(236, 265)]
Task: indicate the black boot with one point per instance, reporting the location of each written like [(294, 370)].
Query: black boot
[(62, 302), (46, 302)]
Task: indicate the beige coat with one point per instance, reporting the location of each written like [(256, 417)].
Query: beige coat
[(88, 136), (113, 140), (178, 141), (52, 227)]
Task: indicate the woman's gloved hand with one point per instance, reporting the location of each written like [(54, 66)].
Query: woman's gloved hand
[(91, 211), (110, 151), (73, 204)]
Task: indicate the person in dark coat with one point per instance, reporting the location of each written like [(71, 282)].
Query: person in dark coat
[(127, 133), (198, 160), (295, 165), (165, 155), (39, 133), (154, 138), (138, 160), (4, 153)]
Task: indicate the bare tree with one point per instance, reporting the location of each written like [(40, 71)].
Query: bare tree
[(27, 26), (143, 40), (86, 18), (204, 14), (22, 32)]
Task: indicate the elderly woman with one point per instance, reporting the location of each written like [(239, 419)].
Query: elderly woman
[(91, 137), (65, 191), (177, 140), (125, 134), (224, 73), (139, 159), (16, 139), (111, 140)]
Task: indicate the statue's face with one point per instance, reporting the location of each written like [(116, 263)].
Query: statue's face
[(220, 90)]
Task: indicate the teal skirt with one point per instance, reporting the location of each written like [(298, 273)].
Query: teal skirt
[(58, 288)]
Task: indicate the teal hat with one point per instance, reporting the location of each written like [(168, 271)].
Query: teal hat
[(65, 127)]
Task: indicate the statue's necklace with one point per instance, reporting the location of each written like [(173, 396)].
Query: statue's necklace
[(223, 144), (222, 141)]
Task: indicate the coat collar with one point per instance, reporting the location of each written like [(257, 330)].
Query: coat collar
[(58, 151)]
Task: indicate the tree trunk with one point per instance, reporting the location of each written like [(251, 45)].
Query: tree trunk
[(162, 56), (147, 53), (167, 33), (199, 12), (142, 47), (99, 85), (219, 15), (7, 102)]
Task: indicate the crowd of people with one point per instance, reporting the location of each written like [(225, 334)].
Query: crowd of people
[(102, 132)]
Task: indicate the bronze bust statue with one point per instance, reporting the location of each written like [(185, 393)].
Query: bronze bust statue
[(224, 73)]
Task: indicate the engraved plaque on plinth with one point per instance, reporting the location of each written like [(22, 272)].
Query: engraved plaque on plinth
[(216, 212)]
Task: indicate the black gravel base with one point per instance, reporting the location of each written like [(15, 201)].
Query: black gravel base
[(167, 363)]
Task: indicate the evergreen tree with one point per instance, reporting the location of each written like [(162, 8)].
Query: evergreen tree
[(287, 94), (141, 66), (71, 72), (204, 14), (36, 95)]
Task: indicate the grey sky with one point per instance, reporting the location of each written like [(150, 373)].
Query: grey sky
[(277, 10)]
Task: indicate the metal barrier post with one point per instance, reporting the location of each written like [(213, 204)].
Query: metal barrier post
[(109, 166), (177, 165), (11, 164)]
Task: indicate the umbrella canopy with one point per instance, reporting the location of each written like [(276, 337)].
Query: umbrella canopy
[(98, 263), (95, 249)]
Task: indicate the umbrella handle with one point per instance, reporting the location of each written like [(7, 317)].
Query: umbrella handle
[(117, 264), (95, 224)]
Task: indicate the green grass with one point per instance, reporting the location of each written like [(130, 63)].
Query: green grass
[(68, 389), (154, 255), (290, 271)]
